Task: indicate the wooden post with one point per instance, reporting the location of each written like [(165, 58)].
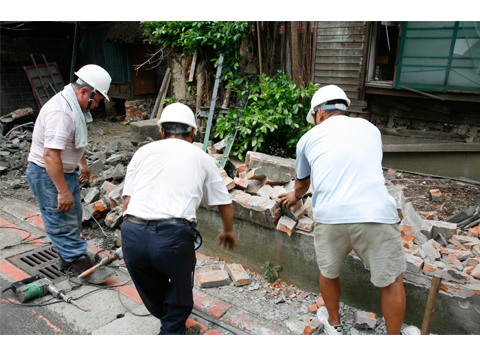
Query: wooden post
[(431, 303), (157, 104), (192, 68), (294, 49), (259, 54)]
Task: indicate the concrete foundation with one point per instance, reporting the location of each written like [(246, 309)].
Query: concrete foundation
[(296, 255)]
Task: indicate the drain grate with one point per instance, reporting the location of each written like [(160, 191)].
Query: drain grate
[(42, 260)]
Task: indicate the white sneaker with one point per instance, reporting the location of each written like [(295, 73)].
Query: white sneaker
[(411, 330), (322, 315)]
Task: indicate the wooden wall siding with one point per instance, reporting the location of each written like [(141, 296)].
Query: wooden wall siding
[(340, 53)]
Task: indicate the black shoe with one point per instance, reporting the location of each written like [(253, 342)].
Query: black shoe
[(84, 263), (193, 330), (64, 265)]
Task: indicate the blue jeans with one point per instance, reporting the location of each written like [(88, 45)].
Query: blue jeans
[(63, 227), (161, 260)]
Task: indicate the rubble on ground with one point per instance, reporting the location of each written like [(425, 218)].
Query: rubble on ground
[(433, 245)]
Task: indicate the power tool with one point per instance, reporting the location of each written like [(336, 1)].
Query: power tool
[(39, 286), (117, 255)]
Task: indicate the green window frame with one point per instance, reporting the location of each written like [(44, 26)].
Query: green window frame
[(439, 56)]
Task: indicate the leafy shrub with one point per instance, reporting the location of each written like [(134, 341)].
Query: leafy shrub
[(274, 120), (210, 38)]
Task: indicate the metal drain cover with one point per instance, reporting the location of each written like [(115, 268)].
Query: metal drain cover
[(42, 260)]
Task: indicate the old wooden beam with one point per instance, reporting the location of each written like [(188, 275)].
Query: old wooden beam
[(294, 50)]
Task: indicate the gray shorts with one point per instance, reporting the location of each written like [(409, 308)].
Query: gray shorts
[(379, 246)]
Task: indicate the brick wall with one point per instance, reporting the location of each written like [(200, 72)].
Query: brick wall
[(138, 109)]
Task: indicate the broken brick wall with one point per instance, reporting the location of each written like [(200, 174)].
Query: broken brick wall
[(52, 39)]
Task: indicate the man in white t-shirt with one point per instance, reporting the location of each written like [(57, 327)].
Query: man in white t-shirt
[(58, 143), (165, 183), (341, 158)]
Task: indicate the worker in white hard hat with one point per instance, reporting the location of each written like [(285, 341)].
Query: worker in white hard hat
[(58, 143), (341, 159), (165, 183)]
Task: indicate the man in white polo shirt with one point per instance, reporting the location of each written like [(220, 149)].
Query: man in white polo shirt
[(165, 183), (341, 158), (58, 143)]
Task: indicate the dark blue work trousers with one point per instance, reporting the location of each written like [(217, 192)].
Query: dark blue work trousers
[(161, 261)]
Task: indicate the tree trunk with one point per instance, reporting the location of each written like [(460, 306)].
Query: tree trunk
[(226, 101), (201, 75)]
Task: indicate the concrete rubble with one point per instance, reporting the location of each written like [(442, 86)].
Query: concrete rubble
[(432, 248)]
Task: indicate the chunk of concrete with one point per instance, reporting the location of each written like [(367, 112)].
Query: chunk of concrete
[(140, 131), (396, 192), (365, 320), (432, 249), (92, 195), (276, 170), (414, 263), (96, 167), (255, 209), (446, 228)]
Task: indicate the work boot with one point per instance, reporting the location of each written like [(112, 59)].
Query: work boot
[(192, 330), (84, 263), (64, 265)]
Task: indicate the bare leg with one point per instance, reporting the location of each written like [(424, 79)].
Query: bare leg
[(330, 289), (394, 303)]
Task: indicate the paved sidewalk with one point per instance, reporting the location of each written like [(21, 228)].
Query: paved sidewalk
[(114, 308)]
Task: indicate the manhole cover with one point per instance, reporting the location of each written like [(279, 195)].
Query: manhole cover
[(42, 260)]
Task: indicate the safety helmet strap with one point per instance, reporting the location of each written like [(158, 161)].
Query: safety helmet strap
[(90, 101)]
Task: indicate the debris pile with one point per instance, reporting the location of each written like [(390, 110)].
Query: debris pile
[(432, 247), (14, 150), (278, 302)]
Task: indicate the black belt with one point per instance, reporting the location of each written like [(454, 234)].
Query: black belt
[(139, 221)]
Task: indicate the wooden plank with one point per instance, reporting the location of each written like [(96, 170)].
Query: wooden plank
[(339, 52), (339, 24), (339, 59), (336, 80), (192, 68), (339, 46), (343, 74), (340, 38), (338, 66), (341, 31), (294, 52)]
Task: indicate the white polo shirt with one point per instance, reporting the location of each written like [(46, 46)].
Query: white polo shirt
[(343, 158), (55, 129), (169, 178)]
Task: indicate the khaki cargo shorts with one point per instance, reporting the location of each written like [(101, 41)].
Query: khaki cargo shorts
[(379, 246)]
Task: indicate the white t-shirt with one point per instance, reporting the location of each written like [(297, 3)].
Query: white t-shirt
[(170, 178), (343, 158), (55, 129)]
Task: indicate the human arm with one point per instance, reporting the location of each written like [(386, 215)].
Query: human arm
[(126, 200), (301, 187), (54, 167), (227, 236), (84, 170)]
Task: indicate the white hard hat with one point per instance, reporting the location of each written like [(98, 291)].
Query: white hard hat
[(324, 94), (97, 77), (178, 113)]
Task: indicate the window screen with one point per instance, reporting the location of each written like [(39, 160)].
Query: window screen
[(440, 56)]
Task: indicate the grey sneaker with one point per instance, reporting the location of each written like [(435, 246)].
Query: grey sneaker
[(322, 315), (411, 330)]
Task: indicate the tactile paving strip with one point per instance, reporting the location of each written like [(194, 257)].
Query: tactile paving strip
[(42, 260)]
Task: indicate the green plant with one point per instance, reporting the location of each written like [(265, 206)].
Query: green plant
[(191, 94), (210, 38), (274, 120), (169, 100), (271, 272)]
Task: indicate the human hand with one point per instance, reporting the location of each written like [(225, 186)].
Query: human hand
[(84, 173), (65, 201), (287, 199), (228, 239)]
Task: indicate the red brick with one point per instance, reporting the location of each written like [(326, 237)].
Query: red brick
[(229, 183), (240, 183), (319, 301), (213, 307), (435, 195), (305, 224), (476, 272), (286, 225), (313, 308)]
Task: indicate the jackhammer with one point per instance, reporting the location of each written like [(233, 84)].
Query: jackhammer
[(39, 286), (117, 255)]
